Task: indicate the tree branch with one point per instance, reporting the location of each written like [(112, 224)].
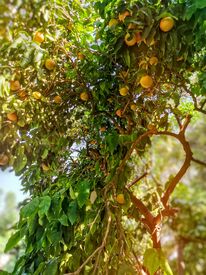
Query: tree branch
[(199, 161), (136, 180), (99, 249)]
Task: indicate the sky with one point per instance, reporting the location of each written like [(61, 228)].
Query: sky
[(9, 182)]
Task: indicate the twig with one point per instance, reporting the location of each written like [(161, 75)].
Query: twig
[(199, 161), (99, 249), (136, 180)]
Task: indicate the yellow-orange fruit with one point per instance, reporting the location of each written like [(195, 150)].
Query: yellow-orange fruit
[(133, 107), (4, 159), (138, 37), (44, 167), (80, 56), (153, 60), (103, 129), (124, 91), (50, 64), (112, 22), (37, 95), (57, 99), (131, 26), (15, 85), (38, 37), (12, 117), (166, 24), (123, 15), (119, 112), (84, 96), (120, 199), (130, 40), (146, 81)]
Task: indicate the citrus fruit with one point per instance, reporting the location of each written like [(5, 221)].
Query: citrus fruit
[(130, 40), (153, 60), (120, 199), (4, 159), (44, 167), (123, 15), (84, 96), (50, 64), (131, 26), (103, 129), (119, 112), (57, 99), (38, 37), (133, 107), (15, 85), (37, 95), (138, 37), (12, 116), (166, 24), (146, 81), (124, 91), (112, 22), (80, 56)]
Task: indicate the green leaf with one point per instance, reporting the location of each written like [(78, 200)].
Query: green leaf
[(83, 190), (151, 260), (72, 212), (52, 268), (112, 141), (13, 240), (21, 159), (44, 206), (30, 208), (63, 220), (164, 264), (39, 269)]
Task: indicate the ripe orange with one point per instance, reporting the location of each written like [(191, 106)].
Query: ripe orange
[(84, 96), (37, 95), (123, 15), (130, 40), (120, 199), (15, 85), (131, 26), (22, 94), (153, 60), (57, 99), (146, 81), (80, 56), (124, 91), (38, 37), (103, 129), (119, 113), (50, 64), (166, 24), (138, 37), (4, 159), (133, 107), (44, 167), (12, 116), (112, 22)]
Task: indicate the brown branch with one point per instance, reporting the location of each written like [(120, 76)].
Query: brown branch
[(149, 218), (186, 164), (99, 249), (199, 161), (129, 152), (136, 180)]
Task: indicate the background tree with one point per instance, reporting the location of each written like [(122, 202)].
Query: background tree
[(85, 86)]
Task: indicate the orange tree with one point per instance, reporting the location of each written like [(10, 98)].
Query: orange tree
[(84, 87)]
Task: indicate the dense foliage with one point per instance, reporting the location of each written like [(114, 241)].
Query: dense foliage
[(84, 88)]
